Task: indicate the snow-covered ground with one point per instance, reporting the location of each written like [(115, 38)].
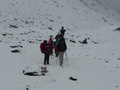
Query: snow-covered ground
[(24, 24)]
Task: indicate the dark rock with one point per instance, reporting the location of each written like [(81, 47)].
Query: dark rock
[(50, 28), (43, 74), (32, 74), (4, 34), (13, 26), (106, 61), (16, 46), (73, 79), (118, 29), (23, 71), (118, 58), (27, 88), (15, 51), (72, 41)]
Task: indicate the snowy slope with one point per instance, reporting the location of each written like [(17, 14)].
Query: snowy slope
[(104, 7), (44, 14), (25, 23)]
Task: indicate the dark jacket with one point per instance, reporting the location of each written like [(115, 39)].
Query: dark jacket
[(62, 31), (85, 41), (46, 47), (61, 45)]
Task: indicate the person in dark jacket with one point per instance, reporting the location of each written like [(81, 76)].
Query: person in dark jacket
[(62, 31), (51, 44), (46, 52), (55, 48), (61, 45), (85, 41)]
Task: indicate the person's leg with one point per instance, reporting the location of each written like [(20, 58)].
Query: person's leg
[(45, 58), (48, 55), (57, 53), (61, 57)]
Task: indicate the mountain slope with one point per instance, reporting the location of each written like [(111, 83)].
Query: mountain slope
[(24, 24)]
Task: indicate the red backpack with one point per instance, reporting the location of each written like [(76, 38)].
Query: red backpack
[(42, 47)]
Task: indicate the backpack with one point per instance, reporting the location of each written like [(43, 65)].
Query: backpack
[(42, 47), (61, 45), (47, 48), (57, 36)]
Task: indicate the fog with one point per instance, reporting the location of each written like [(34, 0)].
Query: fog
[(115, 4)]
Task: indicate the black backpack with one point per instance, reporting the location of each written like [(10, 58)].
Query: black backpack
[(62, 45)]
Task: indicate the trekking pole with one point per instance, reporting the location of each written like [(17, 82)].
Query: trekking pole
[(66, 58)]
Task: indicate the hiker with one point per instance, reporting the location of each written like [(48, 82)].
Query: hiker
[(55, 48), (85, 41), (51, 44), (44, 46), (62, 31), (61, 45)]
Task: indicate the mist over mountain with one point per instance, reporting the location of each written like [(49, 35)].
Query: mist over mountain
[(115, 4)]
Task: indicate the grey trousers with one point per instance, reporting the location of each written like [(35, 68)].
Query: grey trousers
[(61, 56)]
